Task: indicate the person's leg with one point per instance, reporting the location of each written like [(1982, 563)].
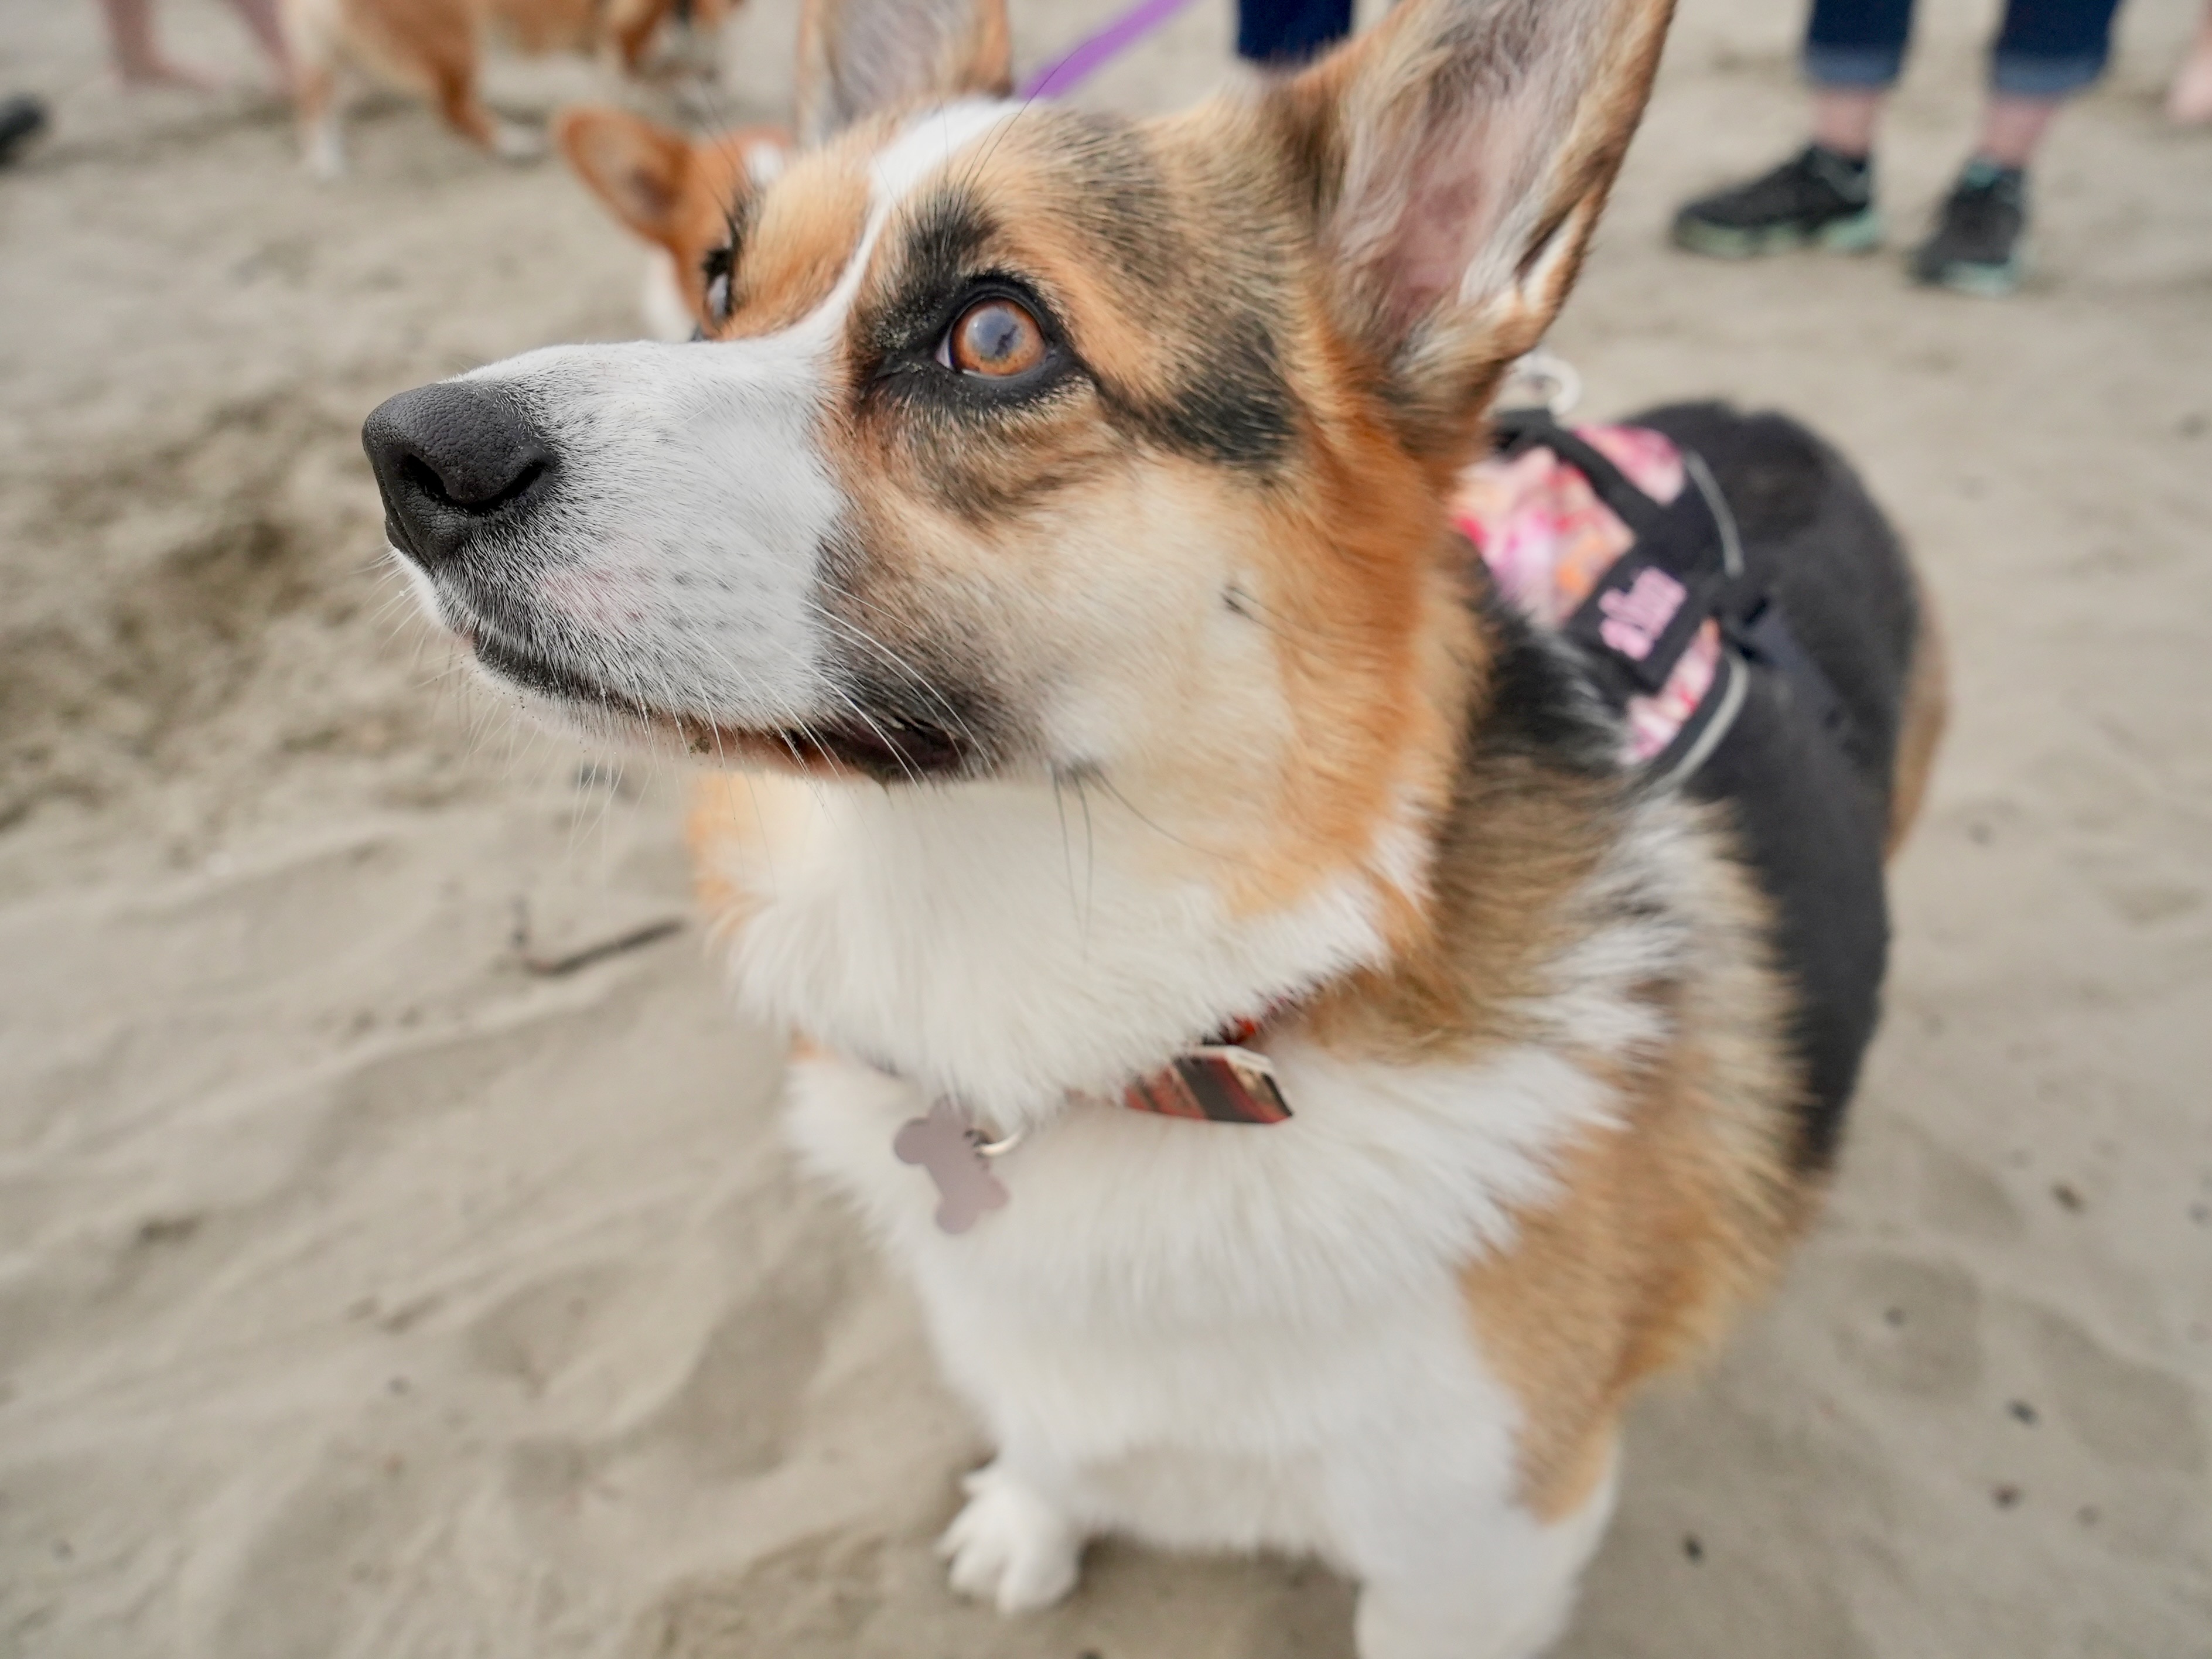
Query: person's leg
[(1290, 31), (1854, 51), (2047, 50), (2012, 128), (1824, 196), (260, 19), (2189, 100), (1846, 118), (138, 60)]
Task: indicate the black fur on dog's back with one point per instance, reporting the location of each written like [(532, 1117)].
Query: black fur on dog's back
[(1813, 802)]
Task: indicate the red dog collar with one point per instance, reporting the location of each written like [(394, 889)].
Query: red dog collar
[(1219, 1082)]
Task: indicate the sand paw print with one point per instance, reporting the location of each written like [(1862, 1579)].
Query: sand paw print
[(340, 1552), (732, 1413), (1961, 1197), (2125, 1412), (536, 1333), (811, 1601), (1913, 1327)]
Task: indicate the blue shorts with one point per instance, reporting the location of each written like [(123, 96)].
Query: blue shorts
[(1289, 31)]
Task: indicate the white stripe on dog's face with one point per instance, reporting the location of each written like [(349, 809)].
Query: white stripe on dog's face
[(674, 565), (927, 143)]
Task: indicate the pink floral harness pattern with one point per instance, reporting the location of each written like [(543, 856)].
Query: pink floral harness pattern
[(1549, 541)]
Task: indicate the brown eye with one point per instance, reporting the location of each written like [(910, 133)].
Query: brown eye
[(996, 338)]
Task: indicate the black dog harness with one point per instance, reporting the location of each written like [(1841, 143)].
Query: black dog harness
[(1686, 567)]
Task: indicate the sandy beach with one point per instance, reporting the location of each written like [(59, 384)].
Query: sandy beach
[(388, 1271)]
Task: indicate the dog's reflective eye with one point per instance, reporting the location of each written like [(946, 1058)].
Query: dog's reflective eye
[(996, 338)]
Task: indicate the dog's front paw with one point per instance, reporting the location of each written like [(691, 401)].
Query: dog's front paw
[(324, 156), (1009, 1546)]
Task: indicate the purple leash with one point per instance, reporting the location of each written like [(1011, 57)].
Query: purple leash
[(1095, 52)]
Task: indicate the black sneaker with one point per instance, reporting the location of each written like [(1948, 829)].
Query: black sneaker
[(1975, 247), (1816, 198)]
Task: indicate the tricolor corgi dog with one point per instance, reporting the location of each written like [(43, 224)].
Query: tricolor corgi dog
[(682, 196), (1310, 1076), (435, 48)]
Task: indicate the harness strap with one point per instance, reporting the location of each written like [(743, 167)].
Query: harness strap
[(1685, 566), (1518, 430)]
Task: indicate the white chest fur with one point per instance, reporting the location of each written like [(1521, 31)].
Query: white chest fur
[(1007, 944), (1204, 1334), (1213, 1333)]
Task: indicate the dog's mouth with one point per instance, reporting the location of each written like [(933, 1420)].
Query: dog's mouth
[(882, 746)]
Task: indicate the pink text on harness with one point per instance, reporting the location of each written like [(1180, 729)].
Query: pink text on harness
[(1635, 620)]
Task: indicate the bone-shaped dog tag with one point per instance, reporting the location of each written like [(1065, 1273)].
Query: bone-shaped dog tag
[(944, 1144)]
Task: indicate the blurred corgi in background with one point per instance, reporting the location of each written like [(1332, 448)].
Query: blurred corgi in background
[(682, 195), (435, 48)]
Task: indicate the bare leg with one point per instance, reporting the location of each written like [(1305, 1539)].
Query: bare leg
[(138, 61), (2012, 128), (2189, 101), (259, 17), (1844, 119)]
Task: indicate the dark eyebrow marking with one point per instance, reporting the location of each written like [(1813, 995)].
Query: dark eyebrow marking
[(1231, 405), (943, 243), (1119, 203), (1228, 400), (949, 231)]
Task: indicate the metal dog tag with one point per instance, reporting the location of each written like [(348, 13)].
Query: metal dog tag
[(947, 1146)]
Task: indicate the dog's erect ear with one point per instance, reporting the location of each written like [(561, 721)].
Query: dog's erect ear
[(1462, 151), (638, 169), (859, 56)]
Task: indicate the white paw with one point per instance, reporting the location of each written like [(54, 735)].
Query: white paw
[(1010, 1547), (324, 156), (513, 141)]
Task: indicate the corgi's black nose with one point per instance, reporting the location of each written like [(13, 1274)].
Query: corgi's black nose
[(449, 458)]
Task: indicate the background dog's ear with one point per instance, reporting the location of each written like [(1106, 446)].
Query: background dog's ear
[(858, 55), (1462, 151), (636, 168)]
